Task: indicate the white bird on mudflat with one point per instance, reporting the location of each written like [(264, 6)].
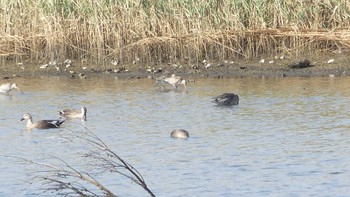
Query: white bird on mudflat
[(175, 80), (7, 87), (41, 124), (74, 113)]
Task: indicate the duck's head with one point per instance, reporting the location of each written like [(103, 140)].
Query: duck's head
[(26, 116), (180, 133), (15, 86)]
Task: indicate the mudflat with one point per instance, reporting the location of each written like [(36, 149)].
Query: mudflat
[(320, 65)]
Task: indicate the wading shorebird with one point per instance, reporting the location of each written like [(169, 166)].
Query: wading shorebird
[(226, 99), (41, 124), (173, 80), (7, 87), (74, 113), (179, 133)]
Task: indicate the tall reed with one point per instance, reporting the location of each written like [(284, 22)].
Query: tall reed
[(162, 30)]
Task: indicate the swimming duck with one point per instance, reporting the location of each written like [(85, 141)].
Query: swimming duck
[(7, 87), (74, 113), (226, 99), (179, 133), (41, 124)]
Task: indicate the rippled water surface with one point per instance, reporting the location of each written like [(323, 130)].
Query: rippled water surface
[(287, 137)]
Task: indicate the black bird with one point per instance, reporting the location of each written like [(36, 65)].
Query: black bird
[(226, 99)]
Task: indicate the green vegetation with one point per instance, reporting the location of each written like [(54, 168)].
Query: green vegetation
[(160, 30)]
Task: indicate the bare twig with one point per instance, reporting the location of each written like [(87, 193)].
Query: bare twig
[(66, 180)]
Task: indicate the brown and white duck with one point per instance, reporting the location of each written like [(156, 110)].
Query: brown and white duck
[(41, 124), (74, 113)]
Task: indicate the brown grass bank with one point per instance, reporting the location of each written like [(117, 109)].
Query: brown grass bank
[(166, 31)]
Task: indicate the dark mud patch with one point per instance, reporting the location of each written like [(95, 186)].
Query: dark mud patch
[(302, 64)]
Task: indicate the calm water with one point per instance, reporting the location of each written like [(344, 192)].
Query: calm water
[(287, 137)]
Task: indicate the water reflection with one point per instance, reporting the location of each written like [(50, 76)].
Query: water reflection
[(287, 136)]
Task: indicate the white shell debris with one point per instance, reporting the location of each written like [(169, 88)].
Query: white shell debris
[(150, 70), (136, 60), (194, 66), (44, 66), (52, 63), (21, 65), (208, 65), (331, 61), (114, 62), (67, 61), (82, 76)]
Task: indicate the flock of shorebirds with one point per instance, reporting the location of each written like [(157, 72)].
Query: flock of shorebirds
[(226, 99)]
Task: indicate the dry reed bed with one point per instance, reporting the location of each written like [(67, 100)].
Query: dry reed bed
[(155, 30)]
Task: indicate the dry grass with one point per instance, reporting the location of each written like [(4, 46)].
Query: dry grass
[(164, 30)]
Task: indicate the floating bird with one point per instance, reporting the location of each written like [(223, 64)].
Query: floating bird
[(74, 113), (179, 133), (7, 87), (173, 80), (226, 99), (41, 124)]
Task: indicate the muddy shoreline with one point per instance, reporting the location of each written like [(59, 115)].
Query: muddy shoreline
[(330, 65)]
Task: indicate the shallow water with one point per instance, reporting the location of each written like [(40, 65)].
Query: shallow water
[(287, 137)]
